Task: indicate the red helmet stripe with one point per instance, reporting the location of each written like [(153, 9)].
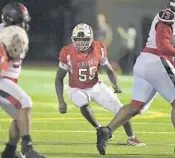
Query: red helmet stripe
[(23, 8)]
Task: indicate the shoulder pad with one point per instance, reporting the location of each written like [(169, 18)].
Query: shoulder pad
[(166, 16)]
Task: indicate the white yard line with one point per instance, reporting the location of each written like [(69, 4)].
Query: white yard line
[(76, 131)]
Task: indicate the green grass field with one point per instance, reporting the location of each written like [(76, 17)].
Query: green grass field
[(70, 135)]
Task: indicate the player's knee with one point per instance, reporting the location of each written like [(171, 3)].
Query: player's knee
[(26, 102)]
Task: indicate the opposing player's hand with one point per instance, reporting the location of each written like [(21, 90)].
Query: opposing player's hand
[(116, 89), (62, 107)]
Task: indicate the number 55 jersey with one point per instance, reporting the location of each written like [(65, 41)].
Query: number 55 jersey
[(82, 66)]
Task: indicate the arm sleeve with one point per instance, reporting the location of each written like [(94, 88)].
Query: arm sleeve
[(104, 58), (164, 34)]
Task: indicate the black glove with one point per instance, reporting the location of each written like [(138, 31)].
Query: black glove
[(116, 89)]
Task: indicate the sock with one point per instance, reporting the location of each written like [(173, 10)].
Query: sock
[(9, 150), (27, 138)]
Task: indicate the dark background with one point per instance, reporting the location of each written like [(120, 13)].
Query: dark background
[(53, 21)]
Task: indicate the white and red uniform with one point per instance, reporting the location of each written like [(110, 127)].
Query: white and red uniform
[(154, 71), (83, 76), (12, 97)]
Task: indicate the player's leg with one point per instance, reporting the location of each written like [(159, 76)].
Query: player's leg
[(11, 146), (12, 93), (141, 92), (166, 84), (103, 96), (81, 99), (148, 103), (88, 114)]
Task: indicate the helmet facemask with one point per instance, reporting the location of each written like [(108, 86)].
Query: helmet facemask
[(82, 38)]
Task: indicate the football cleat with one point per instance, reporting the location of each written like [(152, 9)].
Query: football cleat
[(103, 136), (135, 142), (31, 154), (9, 156)]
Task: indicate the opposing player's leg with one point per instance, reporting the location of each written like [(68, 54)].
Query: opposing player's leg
[(142, 93), (81, 99), (103, 96), (140, 90), (11, 146), (166, 84), (14, 135), (18, 104)]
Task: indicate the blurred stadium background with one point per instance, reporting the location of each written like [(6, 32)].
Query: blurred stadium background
[(123, 25)]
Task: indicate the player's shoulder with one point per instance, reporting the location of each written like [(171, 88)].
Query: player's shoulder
[(166, 16), (68, 48)]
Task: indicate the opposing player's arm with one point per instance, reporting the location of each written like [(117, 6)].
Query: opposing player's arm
[(164, 32), (59, 83)]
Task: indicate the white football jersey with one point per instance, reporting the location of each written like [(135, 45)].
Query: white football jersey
[(151, 41), (15, 65)]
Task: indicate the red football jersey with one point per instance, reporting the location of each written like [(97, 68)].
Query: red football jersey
[(82, 67), (4, 63)]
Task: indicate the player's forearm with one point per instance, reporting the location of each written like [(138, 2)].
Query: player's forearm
[(112, 77), (59, 86)]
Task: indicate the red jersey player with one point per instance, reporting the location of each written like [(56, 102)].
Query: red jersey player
[(153, 72), (82, 60), (13, 99)]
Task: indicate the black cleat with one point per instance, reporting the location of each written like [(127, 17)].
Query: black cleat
[(9, 156), (103, 135), (31, 154), (27, 151)]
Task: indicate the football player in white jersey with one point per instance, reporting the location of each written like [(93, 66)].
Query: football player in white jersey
[(13, 99), (153, 72)]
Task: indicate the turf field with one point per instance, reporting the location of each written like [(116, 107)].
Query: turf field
[(69, 135)]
